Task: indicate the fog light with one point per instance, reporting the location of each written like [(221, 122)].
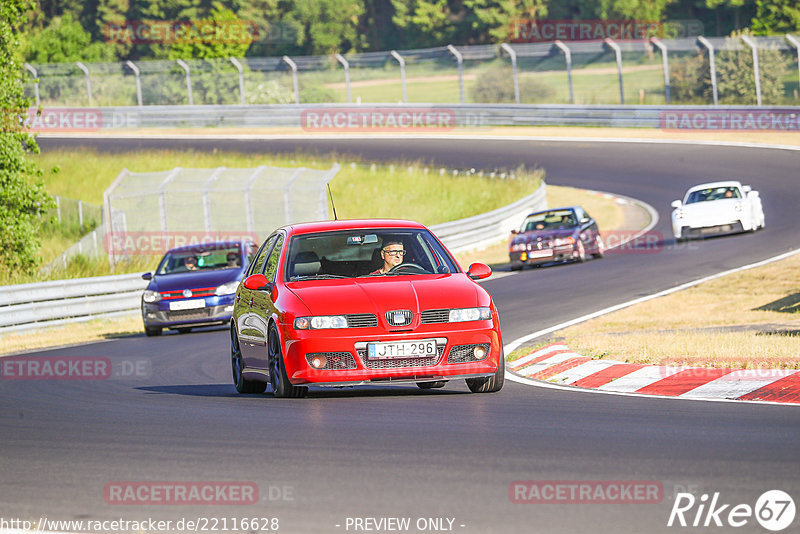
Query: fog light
[(523, 256), (318, 362), (479, 352)]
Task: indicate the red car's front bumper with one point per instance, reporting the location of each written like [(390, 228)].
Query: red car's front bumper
[(348, 363)]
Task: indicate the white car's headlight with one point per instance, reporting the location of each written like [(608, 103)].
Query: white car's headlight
[(679, 214), (151, 296), (469, 314), (227, 288), (320, 322), (561, 241), (739, 206)]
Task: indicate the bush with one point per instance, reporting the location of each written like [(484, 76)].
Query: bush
[(496, 86), (690, 77)]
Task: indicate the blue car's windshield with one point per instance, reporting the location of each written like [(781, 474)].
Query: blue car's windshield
[(185, 261)]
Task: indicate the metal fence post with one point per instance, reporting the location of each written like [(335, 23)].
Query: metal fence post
[(162, 198), (241, 78), (710, 47), (402, 63), (568, 58), (796, 44), (618, 53), (665, 62), (35, 81), (80, 214), (58, 208), (293, 66), (135, 70), (340, 58), (513, 55), (207, 199), (248, 199), (287, 205), (185, 68), (460, 60), (85, 70), (756, 73)]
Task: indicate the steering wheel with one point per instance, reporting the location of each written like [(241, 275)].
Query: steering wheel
[(409, 265)]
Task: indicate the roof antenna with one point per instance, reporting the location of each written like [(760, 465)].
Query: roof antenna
[(335, 218)]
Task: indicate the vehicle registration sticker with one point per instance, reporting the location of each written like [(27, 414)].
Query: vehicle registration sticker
[(425, 348), (192, 304), (544, 253)]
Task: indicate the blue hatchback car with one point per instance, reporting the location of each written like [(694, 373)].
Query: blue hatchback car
[(194, 286)]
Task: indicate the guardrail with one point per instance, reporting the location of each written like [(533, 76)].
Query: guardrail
[(31, 306), (28, 306), (419, 118)]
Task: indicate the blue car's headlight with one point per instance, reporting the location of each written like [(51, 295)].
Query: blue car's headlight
[(228, 288), (151, 296)]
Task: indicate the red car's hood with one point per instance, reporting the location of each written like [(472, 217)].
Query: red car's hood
[(385, 293)]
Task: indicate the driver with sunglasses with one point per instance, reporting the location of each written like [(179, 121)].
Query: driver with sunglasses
[(392, 254)]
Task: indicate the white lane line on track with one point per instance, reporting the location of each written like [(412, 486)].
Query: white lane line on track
[(510, 347)]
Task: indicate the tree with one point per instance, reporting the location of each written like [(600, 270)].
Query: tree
[(776, 17), (493, 20), (221, 35), (64, 40), (327, 26), (21, 201)]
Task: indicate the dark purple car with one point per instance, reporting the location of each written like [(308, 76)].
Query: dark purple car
[(194, 286), (562, 234)]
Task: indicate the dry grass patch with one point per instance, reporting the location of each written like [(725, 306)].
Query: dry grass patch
[(725, 322), (97, 330)]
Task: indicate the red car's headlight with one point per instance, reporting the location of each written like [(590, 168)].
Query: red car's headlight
[(319, 322)]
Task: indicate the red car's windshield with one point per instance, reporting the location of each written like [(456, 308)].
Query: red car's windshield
[(364, 252)]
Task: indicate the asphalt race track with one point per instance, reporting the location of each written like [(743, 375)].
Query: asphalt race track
[(405, 453)]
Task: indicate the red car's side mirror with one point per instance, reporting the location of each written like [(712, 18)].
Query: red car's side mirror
[(256, 282), (479, 271)]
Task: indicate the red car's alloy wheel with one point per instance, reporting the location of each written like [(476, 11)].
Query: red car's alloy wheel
[(237, 366), (278, 379)]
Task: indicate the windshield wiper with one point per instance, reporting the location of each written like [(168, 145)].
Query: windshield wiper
[(317, 277)]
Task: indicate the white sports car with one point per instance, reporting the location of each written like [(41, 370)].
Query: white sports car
[(717, 208)]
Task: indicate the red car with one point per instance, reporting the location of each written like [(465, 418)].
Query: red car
[(343, 303)]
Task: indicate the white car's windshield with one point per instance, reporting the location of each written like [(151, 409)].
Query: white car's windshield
[(366, 252), (713, 193)]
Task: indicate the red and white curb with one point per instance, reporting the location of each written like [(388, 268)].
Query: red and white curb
[(557, 364)]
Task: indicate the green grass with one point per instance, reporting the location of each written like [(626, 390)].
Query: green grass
[(407, 190)]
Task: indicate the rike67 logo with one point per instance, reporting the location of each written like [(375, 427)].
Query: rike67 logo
[(774, 510)]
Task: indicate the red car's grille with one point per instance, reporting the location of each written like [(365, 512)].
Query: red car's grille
[(197, 292), (361, 320), (396, 363), (435, 316)]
